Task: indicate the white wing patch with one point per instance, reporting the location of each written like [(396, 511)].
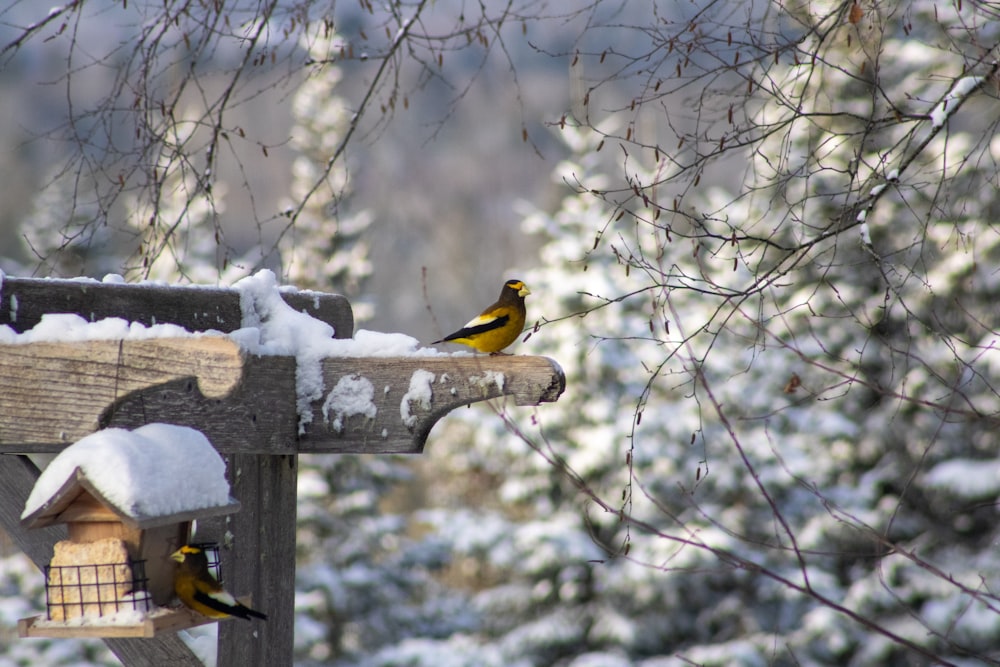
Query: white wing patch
[(224, 597), (480, 320)]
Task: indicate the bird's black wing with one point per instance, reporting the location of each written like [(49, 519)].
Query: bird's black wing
[(238, 610), (254, 612), (476, 329)]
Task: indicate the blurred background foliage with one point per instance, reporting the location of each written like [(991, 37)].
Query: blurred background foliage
[(760, 242)]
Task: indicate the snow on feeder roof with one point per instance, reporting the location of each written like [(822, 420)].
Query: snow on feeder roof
[(155, 475)]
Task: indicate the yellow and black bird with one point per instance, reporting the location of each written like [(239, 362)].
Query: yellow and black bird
[(199, 590), (499, 325)]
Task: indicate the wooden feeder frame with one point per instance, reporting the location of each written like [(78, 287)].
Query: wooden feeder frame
[(53, 394)]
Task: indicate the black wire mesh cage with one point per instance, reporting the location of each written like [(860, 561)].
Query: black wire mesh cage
[(107, 586), (101, 589), (211, 551)]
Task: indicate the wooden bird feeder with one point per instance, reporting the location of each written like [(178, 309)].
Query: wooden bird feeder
[(117, 558), (53, 394)]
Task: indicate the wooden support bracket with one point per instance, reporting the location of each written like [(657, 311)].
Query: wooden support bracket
[(410, 394)]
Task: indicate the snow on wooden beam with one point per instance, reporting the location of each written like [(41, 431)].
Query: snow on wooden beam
[(23, 301), (53, 394), (409, 395)]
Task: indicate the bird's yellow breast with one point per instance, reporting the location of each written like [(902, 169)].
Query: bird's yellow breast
[(186, 585), (495, 340)]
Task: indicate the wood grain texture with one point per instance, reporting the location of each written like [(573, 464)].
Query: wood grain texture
[(17, 477), (53, 394), (56, 393), (259, 416), (23, 301), (167, 649)]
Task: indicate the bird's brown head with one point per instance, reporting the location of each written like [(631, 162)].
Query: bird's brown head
[(189, 555), (516, 288)]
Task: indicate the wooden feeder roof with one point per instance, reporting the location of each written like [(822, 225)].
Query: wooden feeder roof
[(79, 500)]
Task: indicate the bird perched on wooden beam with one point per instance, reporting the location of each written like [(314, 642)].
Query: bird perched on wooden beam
[(199, 590), (499, 325)]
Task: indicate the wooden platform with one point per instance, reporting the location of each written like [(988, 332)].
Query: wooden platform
[(156, 622)]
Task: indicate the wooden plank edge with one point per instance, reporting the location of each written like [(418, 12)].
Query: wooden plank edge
[(410, 394), (173, 621)]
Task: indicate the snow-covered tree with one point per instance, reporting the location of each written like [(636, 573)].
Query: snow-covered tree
[(780, 385), (320, 245), (180, 236), (323, 244), (59, 237)]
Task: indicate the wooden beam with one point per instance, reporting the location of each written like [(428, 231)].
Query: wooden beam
[(166, 649), (53, 394), (259, 559), (17, 478), (410, 394), (23, 301)]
